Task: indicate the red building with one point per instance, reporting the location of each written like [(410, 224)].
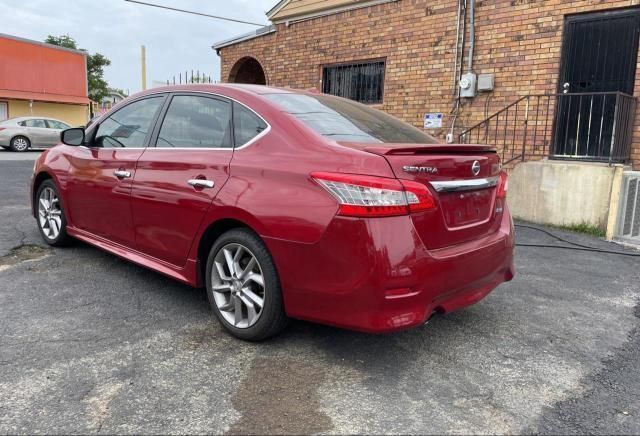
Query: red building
[(38, 79)]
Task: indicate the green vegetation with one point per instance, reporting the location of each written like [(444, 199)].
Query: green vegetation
[(98, 87), (586, 229), (583, 228)]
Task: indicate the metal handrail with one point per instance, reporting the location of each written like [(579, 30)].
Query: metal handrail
[(595, 126), (504, 109)]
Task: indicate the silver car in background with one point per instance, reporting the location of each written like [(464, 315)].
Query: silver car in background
[(22, 133)]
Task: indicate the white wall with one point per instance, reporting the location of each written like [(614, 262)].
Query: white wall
[(562, 193)]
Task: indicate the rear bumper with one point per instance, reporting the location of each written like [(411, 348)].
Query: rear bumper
[(377, 276)]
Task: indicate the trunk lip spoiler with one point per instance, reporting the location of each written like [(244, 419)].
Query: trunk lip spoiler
[(465, 185), (429, 149)]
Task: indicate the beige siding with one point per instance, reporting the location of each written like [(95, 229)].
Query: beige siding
[(73, 114), (304, 7)]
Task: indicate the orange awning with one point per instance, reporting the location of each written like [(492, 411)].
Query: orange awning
[(42, 96)]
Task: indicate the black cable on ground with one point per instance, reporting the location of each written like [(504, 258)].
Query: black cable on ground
[(554, 236), (576, 246)]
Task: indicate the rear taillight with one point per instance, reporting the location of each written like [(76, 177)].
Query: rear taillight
[(361, 196), (2, 128), (503, 185), (419, 197)]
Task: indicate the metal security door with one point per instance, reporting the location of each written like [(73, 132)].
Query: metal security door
[(599, 57)]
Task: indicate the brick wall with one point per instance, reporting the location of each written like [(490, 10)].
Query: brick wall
[(517, 40)]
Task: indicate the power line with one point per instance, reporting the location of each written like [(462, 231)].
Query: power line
[(195, 13)]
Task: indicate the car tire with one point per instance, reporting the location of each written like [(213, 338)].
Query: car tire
[(233, 288), (20, 143), (52, 222)]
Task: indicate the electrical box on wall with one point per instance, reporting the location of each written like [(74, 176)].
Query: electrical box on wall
[(485, 82), (468, 85)]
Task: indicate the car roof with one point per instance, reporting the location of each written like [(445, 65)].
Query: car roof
[(260, 89), (234, 91), (18, 119), (221, 88)]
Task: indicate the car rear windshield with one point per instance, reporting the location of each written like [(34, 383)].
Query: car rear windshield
[(345, 120)]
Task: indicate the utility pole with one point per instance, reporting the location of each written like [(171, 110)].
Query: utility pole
[(143, 60)]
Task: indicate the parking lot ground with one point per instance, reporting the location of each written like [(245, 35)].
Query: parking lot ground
[(30, 155), (90, 343)]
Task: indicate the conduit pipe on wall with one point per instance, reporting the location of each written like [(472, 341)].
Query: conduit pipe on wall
[(463, 7), (472, 33), (460, 46), (459, 64), (457, 51)]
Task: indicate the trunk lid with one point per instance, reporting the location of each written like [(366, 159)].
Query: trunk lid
[(466, 195)]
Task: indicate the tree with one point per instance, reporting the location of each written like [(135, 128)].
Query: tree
[(98, 87)]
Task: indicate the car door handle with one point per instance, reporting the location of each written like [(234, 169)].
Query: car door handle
[(122, 174), (200, 183)]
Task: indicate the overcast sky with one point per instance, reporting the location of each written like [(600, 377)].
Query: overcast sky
[(174, 41)]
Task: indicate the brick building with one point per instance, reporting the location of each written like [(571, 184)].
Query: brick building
[(38, 79), (407, 57), (550, 83)]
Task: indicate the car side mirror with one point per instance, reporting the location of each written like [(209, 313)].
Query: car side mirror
[(73, 136)]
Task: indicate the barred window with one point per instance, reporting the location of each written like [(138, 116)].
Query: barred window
[(362, 82)]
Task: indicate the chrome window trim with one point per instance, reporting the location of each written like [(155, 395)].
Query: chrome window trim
[(254, 139), (245, 145), (465, 185), (112, 148)]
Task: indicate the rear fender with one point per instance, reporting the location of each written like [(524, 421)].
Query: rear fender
[(218, 213)]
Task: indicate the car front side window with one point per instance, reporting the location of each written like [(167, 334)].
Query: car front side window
[(196, 122), (129, 126), (53, 124)]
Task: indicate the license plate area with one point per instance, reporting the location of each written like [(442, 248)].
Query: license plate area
[(465, 208)]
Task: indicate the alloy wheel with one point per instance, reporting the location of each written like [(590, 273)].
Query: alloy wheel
[(20, 144), (49, 213), (238, 285)]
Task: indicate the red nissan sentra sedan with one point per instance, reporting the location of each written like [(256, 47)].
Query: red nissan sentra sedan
[(284, 204)]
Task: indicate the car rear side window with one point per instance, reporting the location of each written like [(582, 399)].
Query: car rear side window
[(345, 120), (196, 122), (129, 126), (36, 123), (246, 124)]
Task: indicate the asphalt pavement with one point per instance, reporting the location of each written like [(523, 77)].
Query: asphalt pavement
[(90, 343), (30, 155)]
